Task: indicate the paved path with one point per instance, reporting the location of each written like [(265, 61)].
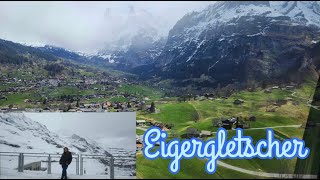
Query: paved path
[(263, 174), (199, 114), (309, 101), (288, 126)]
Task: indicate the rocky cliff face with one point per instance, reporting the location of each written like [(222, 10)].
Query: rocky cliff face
[(231, 42)]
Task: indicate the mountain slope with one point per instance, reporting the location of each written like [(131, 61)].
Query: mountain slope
[(21, 134), (15, 53), (238, 42)]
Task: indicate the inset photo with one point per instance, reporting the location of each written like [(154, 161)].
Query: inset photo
[(67, 145)]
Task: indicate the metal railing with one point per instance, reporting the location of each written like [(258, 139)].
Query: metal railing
[(78, 157), (87, 156)]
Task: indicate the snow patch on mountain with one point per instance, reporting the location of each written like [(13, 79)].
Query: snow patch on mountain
[(222, 19), (306, 12), (19, 133), (198, 46)]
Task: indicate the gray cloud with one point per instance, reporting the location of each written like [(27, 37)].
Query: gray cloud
[(105, 126), (79, 25)]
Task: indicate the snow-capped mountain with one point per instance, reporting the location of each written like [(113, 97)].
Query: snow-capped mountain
[(137, 23), (78, 57), (198, 27), (21, 134), (136, 40), (232, 42)]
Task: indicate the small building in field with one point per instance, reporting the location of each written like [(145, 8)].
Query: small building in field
[(243, 126), (141, 123), (238, 101), (139, 146), (267, 91), (290, 87), (217, 123), (3, 98), (252, 118), (191, 132), (205, 133)]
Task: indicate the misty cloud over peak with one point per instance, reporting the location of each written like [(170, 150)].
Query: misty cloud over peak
[(87, 26)]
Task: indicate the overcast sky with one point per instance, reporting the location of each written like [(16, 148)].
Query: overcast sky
[(77, 25), (108, 128)]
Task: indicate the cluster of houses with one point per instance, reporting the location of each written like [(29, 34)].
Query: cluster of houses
[(193, 132), (102, 88), (22, 85), (163, 126), (234, 123), (130, 106), (231, 123)]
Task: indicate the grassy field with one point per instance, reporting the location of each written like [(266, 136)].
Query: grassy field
[(199, 114), (307, 90), (6, 86), (189, 169), (18, 99), (181, 114), (141, 91), (139, 132), (119, 99)]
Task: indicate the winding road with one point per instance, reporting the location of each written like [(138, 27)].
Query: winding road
[(263, 174), (309, 101)]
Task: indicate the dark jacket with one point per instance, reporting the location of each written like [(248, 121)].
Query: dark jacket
[(66, 158)]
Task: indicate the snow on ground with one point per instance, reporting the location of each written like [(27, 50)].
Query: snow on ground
[(43, 175), (20, 134), (91, 166)]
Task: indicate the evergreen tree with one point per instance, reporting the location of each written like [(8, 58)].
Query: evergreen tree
[(153, 108), (44, 101), (129, 105), (78, 103)]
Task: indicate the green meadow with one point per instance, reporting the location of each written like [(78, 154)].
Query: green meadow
[(200, 113)]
